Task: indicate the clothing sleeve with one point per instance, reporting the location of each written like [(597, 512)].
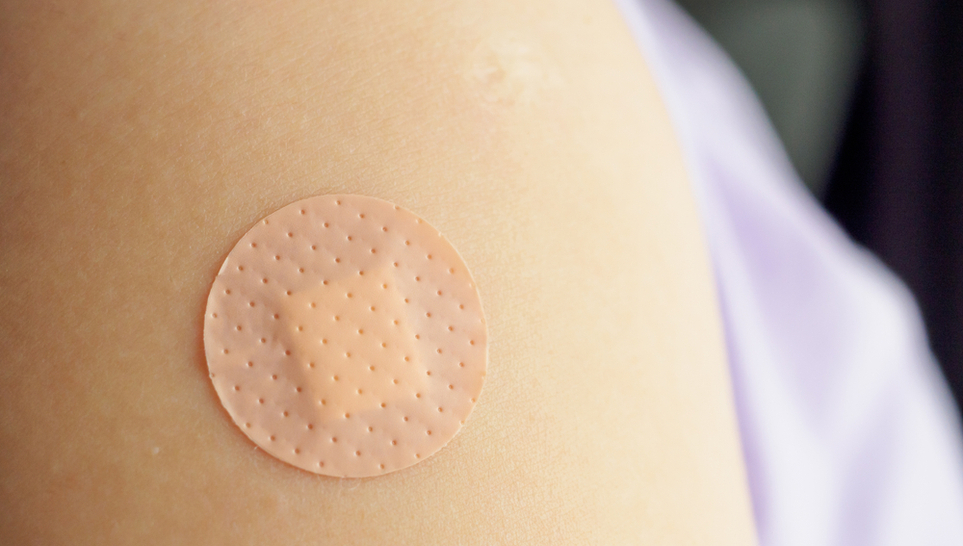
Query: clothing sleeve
[(849, 433)]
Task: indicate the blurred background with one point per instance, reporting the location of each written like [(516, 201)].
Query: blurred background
[(867, 96)]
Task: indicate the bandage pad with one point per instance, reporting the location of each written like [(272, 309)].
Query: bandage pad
[(345, 336)]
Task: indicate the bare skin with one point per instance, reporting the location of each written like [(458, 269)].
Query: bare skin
[(140, 140)]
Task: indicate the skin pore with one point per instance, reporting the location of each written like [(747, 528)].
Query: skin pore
[(140, 140)]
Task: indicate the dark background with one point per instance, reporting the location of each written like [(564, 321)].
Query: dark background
[(867, 96)]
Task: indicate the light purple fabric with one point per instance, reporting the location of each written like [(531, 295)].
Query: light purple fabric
[(849, 433)]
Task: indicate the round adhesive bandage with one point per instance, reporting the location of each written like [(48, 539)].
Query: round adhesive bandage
[(345, 336)]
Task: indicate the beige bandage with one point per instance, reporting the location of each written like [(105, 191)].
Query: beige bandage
[(345, 336)]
